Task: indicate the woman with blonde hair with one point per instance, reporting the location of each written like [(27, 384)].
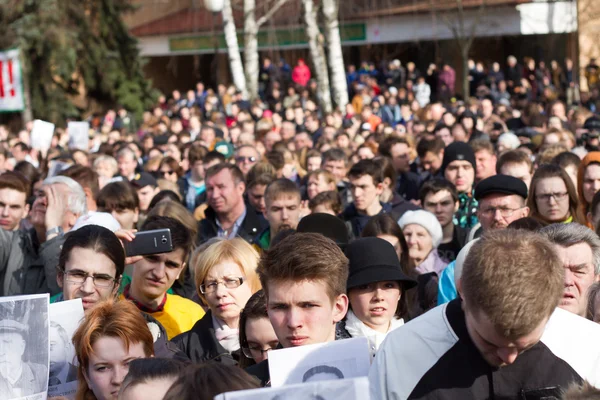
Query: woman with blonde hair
[(111, 335), (225, 274)]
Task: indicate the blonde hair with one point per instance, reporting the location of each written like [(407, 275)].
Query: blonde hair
[(218, 250)]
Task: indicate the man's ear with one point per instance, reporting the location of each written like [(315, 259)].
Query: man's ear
[(180, 270), (379, 188), (340, 307)]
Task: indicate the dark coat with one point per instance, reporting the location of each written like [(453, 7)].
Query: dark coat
[(408, 185), (400, 206), (251, 226), (358, 221), (201, 345)]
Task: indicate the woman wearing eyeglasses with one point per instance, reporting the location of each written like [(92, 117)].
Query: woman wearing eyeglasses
[(90, 265), (225, 272), (257, 336), (552, 196), (170, 170)]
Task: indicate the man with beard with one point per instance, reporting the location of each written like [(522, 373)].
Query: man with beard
[(282, 210)]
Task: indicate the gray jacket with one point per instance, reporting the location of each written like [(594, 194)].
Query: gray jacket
[(26, 267)]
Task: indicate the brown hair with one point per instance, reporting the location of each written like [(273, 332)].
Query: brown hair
[(116, 319), (305, 256), (482, 144), (234, 170), (16, 181), (330, 198), (279, 188), (178, 212), (117, 196), (205, 381), (503, 278), (255, 308), (513, 157), (584, 391), (172, 164), (197, 152), (552, 171), (85, 176)]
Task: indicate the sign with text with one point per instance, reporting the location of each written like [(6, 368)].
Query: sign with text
[(11, 83)]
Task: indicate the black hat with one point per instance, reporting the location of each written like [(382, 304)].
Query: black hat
[(327, 225), (161, 140), (143, 179), (503, 184), (592, 124), (458, 151), (374, 260)]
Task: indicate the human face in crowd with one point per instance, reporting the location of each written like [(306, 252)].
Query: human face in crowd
[(375, 303), (246, 158), (223, 193), (13, 208), (109, 364), (261, 338), (400, 157), (337, 168), (168, 174), (365, 193), (127, 165), (486, 165), (318, 184), (591, 181), (496, 349), (40, 204), (154, 274), (432, 162), (552, 199), (224, 303), (58, 352), (256, 197), (394, 241), (89, 263), (520, 171), (303, 141), (419, 242), (270, 139), (197, 171), (283, 213), (442, 205), (12, 347), (126, 218), (313, 163), (365, 153), (445, 135), (497, 210), (461, 174), (302, 313), (578, 261), (145, 195)]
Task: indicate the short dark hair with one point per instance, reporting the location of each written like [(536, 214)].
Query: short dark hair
[(180, 235), (142, 370), (335, 154), (566, 159), (197, 152), (437, 185), (513, 157), (236, 173), (16, 181), (367, 167), (433, 145), (385, 147), (482, 144), (330, 197), (260, 179), (255, 308), (279, 187), (387, 169), (117, 196), (85, 176), (212, 156)]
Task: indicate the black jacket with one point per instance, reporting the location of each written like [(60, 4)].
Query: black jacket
[(250, 228), (408, 185), (201, 345), (400, 206), (359, 221)]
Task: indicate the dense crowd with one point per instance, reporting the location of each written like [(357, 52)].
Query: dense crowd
[(291, 226)]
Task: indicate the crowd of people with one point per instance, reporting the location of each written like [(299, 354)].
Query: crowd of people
[(460, 237)]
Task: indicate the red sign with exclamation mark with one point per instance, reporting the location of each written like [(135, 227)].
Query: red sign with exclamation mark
[(10, 78), (1, 79)]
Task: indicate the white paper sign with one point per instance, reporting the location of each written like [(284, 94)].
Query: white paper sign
[(11, 83), (79, 135), (65, 318), (41, 134), (347, 389), (341, 359), (24, 347)]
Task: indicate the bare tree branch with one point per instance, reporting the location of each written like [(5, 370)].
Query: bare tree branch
[(475, 24), (270, 13)]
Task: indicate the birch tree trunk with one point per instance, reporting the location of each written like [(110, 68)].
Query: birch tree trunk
[(233, 49), (336, 59), (315, 44), (251, 48)]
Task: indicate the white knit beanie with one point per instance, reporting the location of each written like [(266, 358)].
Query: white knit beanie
[(427, 220)]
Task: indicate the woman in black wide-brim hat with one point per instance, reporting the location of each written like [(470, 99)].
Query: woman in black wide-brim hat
[(376, 289)]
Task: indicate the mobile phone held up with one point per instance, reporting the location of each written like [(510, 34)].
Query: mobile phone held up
[(149, 242)]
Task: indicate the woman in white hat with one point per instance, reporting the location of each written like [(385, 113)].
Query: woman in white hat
[(423, 234)]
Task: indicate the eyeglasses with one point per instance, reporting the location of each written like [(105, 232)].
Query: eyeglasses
[(505, 212), (555, 196), (79, 278), (240, 159), (251, 352), (167, 172), (230, 283)]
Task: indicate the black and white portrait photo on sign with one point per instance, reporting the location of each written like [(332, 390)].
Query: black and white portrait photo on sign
[(24, 347), (65, 317), (337, 360), (347, 389)]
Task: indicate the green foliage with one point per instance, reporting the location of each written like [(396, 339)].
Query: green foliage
[(76, 47)]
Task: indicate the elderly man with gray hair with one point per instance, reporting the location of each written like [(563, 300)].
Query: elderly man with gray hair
[(579, 249), (28, 259)]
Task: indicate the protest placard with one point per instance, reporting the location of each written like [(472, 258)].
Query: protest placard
[(341, 359), (347, 389), (24, 350), (65, 318), (41, 135), (79, 135)]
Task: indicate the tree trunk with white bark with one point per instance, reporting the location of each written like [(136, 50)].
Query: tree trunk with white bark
[(233, 49), (315, 43), (336, 59)]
